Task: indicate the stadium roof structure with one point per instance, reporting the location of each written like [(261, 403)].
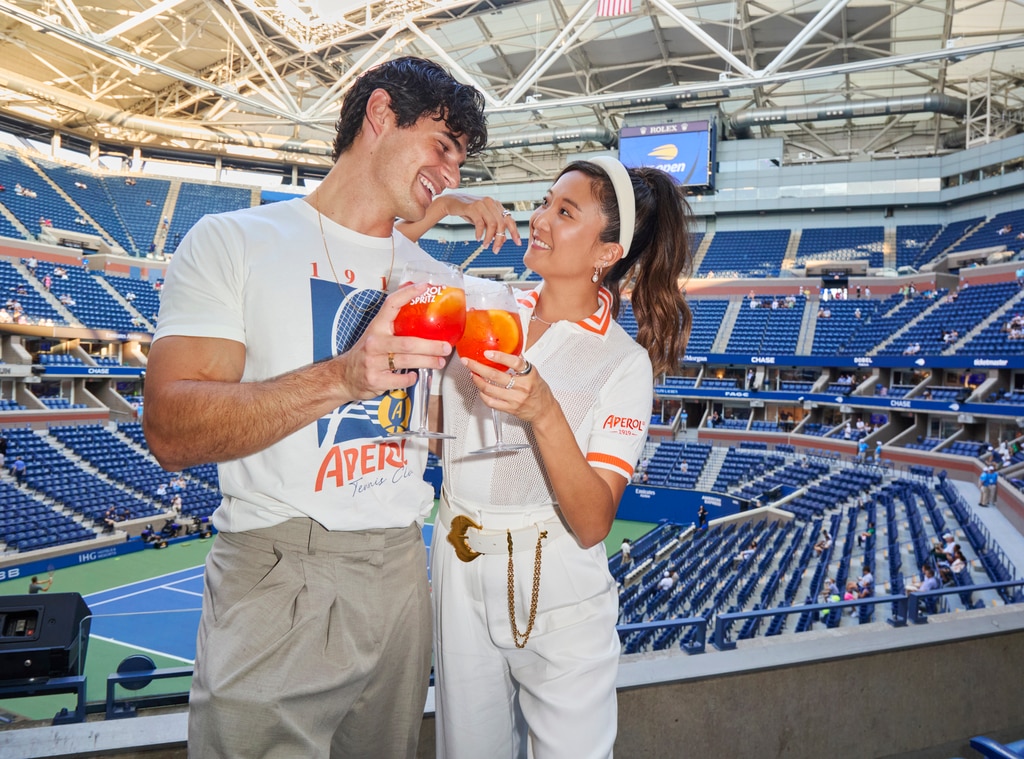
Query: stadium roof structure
[(261, 80)]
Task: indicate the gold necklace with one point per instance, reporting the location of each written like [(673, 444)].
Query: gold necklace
[(330, 261)]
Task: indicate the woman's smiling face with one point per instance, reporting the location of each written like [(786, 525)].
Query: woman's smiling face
[(565, 230)]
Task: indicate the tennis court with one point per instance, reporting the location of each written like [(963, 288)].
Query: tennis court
[(149, 602)]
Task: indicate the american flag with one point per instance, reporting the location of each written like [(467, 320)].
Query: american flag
[(614, 7)]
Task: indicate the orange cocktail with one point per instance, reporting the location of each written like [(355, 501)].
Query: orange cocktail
[(437, 314), (490, 329)]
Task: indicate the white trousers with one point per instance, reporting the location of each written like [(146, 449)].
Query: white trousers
[(552, 699)]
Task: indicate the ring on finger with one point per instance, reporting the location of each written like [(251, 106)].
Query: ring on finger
[(526, 369), (391, 362), (511, 383), (501, 234), (506, 212)]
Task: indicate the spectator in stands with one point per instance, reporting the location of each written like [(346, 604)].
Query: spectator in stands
[(878, 451), (869, 532), (948, 546), (130, 296), (291, 502), (176, 504), (929, 582), (862, 450), (81, 185), (60, 272), (856, 311), (18, 469), (31, 263), (5, 316), (852, 592), (989, 482), (67, 300), (865, 583), (3, 451), (715, 419), (824, 544), (1005, 229), (959, 563), (600, 225), (747, 552), (666, 582), (684, 466), (47, 281), (627, 551), (110, 519), (867, 291), (702, 517), (35, 586)]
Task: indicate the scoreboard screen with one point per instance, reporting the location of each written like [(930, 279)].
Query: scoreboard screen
[(686, 150)]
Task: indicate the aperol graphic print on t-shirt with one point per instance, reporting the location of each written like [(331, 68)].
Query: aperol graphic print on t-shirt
[(340, 315)]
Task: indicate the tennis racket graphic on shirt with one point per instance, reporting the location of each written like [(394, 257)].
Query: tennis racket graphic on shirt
[(354, 315), (368, 418)]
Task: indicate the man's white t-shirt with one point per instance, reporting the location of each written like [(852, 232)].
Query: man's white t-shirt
[(262, 277)]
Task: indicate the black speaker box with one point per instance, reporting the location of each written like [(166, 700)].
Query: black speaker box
[(42, 636)]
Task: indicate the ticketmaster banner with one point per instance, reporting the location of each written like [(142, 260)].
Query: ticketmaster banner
[(844, 362)]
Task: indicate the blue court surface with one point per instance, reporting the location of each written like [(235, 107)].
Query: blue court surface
[(160, 615)]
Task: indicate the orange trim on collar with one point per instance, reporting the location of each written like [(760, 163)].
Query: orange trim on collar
[(598, 322)]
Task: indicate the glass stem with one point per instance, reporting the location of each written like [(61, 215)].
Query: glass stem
[(423, 380), (496, 416)]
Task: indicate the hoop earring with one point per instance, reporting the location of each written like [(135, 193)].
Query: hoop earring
[(597, 275)]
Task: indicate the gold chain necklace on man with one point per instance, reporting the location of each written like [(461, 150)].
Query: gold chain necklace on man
[(330, 261)]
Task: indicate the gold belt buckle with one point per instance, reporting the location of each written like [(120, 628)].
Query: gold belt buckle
[(457, 537)]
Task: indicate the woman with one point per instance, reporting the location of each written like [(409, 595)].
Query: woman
[(525, 608)]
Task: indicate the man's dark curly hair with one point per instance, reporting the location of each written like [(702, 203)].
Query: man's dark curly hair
[(418, 88)]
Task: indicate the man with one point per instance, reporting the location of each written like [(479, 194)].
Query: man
[(35, 586), (276, 357)]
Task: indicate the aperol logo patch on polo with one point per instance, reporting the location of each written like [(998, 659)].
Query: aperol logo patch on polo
[(624, 425)]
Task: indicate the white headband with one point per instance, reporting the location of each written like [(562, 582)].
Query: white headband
[(624, 197)]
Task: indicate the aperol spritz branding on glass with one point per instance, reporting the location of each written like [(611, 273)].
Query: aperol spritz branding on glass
[(340, 316), (437, 314), (490, 329)]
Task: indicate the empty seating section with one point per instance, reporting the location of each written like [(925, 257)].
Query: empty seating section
[(454, 253), (510, 256), (882, 327), (58, 482), (841, 244), (1001, 230), (707, 319), (949, 235), (139, 206), (7, 229), (912, 240), (93, 305), (27, 524), (749, 254), (34, 305), (666, 465), (741, 465), (838, 320), (626, 319), (88, 191), (142, 296), (997, 338), (41, 201), (960, 315), (196, 201), (767, 330), (122, 462), (785, 569)]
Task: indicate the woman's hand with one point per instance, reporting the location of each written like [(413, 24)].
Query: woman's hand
[(520, 391)]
